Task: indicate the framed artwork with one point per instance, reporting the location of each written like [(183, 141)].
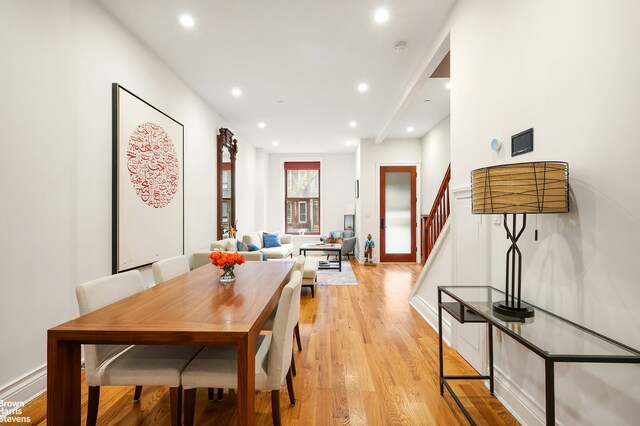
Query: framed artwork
[(148, 183), (357, 188)]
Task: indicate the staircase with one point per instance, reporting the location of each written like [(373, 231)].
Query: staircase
[(431, 225)]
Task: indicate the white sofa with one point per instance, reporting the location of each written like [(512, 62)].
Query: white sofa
[(282, 252), (201, 257)]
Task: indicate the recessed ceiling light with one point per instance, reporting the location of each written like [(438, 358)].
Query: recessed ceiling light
[(363, 87), (448, 85), (352, 124), (262, 125), (274, 143), (186, 21), (382, 15), (236, 92), (410, 129), (281, 101), (348, 142)]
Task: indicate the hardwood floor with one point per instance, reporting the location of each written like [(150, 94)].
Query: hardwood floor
[(367, 358)]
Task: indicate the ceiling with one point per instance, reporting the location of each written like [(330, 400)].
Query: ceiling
[(298, 64), (428, 106)]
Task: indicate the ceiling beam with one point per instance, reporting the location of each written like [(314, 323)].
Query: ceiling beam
[(431, 63)]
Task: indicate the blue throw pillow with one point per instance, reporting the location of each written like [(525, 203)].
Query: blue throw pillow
[(252, 247), (271, 240), (241, 246)]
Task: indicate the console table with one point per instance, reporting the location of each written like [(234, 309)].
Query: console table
[(553, 338)]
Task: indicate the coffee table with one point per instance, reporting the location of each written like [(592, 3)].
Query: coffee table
[(330, 248)]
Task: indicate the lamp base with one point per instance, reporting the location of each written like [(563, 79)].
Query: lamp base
[(524, 311)]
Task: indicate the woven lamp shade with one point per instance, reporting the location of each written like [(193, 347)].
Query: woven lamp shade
[(536, 187)]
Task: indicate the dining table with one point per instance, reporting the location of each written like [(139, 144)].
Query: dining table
[(192, 309)]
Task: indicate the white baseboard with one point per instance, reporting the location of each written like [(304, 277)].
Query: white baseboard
[(26, 388), (431, 316), (520, 404)]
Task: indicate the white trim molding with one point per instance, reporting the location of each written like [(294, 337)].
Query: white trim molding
[(426, 311), (520, 404), (27, 387), (444, 233), (430, 315), (461, 192)]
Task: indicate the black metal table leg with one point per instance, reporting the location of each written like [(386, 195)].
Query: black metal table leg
[(440, 343), (550, 399), (490, 327)]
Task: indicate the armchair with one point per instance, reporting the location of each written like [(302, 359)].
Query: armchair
[(348, 246)]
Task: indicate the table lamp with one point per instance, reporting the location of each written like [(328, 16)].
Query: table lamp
[(522, 188)]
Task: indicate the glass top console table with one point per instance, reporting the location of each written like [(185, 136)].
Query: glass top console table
[(553, 338)]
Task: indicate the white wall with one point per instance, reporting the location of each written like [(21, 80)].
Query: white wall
[(570, 70), (247, 202), (56, 137), (372, 156), (337, 188), (261, 186), (358, 204), (38, 191), (438, 270), (435, 160)]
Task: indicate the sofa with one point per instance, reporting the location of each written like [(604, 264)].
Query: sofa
[(285, 250), (201, 257)]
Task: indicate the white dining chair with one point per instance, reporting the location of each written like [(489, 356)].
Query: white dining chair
[(164, 270), (268, 325), (217, 366), (121, 365)]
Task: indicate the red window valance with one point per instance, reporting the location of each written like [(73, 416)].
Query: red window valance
[(302, 165)]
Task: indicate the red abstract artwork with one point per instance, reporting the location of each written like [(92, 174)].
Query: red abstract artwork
[(153, 165)]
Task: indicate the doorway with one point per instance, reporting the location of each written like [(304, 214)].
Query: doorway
[(398, 213)]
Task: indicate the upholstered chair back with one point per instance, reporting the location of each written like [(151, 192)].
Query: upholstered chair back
[(282, 335), (96, 294), (172, 267), (348, 244), (299, 265)]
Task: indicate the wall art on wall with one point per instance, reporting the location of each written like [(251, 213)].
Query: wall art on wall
[(148, 183)]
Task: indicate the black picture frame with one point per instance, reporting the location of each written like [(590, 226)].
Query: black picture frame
[(357, 188), (117, 215)]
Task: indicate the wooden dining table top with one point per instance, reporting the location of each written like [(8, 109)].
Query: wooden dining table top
[(188, 309)]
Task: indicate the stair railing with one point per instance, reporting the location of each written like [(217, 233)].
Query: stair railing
[(433, 223)]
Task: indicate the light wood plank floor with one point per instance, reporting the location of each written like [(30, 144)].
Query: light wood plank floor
[(367, 358)]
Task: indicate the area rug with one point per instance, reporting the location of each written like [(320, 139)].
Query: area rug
[(333, 277)]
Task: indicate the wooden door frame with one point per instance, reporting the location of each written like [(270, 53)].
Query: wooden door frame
[(409, 257)]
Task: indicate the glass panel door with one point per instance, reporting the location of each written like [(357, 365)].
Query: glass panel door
[(398, 213)]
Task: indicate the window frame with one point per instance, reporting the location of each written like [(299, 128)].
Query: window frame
[(309, 202), (306, 211)]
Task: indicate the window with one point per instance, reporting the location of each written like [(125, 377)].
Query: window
[(302, 211), (302, 197)]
